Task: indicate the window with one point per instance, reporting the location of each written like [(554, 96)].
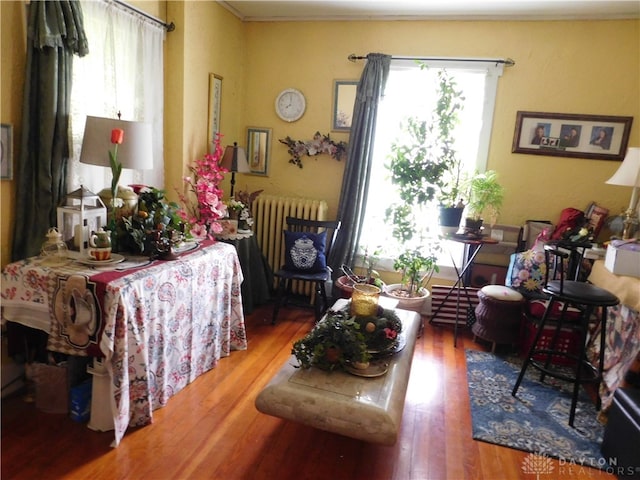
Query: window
[(410, 91), (123, 72)]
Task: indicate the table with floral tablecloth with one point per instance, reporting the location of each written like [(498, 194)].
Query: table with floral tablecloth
[(158, 325)]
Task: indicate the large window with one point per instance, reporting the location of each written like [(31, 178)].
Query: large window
[(411, 92), (123, 72)]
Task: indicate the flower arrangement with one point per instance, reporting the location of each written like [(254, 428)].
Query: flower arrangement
[(203, 215), (155, 214), (341, 340), (319, 144)]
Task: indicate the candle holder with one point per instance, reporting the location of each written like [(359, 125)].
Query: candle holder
[(364, 300)]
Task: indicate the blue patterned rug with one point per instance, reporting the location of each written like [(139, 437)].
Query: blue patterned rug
[(536, 420)]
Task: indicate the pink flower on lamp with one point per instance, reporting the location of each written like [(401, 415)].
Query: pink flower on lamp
[(203, 214)]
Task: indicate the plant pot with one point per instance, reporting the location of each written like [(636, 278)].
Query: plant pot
[(414, 304), (472, 226), (345, 286), (450, 219)]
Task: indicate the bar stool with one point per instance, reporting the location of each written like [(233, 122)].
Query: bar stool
[(586, 298)]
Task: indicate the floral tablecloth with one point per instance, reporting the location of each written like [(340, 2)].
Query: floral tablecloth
[(159, 326)]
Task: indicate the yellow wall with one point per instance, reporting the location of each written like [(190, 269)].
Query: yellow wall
[(12, 61), (566, 67)]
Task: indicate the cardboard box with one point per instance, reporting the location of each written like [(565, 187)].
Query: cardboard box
[(622, 262)]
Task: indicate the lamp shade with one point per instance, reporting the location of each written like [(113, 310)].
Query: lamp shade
[(235, 159), (628, 173), (135, 152)]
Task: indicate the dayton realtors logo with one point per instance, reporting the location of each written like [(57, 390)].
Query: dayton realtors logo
[(540, 464)]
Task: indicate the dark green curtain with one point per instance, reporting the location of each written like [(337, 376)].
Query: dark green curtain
[(355, 183), (55, 33)]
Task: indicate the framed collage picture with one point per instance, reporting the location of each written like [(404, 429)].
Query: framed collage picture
[(596, 137)]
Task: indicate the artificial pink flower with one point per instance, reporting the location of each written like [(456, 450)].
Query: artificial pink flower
[(202, 206)]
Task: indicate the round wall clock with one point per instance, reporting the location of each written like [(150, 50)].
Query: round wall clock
[(290, 105)]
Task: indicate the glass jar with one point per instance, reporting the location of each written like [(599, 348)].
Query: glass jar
[(364, 300), (54, 250)]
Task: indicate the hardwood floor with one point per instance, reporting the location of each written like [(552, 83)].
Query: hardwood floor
[(212, 430)]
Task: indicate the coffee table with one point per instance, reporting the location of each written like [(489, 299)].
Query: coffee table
[(365, 408)]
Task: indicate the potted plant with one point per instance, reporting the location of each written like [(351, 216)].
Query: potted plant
[(485, 199), (346, 282), (417, 267)]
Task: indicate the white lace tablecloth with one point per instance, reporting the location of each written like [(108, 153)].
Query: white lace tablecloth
[(158, 326)]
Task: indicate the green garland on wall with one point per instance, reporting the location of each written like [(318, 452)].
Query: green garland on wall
[(319, 144)]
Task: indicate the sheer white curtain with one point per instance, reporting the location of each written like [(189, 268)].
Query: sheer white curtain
[(123, 72), (411, 91)]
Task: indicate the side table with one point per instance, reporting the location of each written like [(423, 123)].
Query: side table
[(258, 277), (472, 246)]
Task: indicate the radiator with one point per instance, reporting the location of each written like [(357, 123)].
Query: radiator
[(447, 313), (270, 213)]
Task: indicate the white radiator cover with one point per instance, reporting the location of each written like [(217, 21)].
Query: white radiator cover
[(270, 213)]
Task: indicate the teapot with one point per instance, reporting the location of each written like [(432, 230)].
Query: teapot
[(100, 239)]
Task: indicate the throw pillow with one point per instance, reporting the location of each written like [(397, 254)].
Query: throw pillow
[(526, 272), (304, 252)]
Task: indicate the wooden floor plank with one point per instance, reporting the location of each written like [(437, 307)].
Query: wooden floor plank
[(212, 430)]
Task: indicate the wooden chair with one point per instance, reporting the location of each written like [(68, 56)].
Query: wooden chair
[(307, 246)]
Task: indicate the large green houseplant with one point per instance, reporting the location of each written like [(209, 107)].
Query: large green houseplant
[(427, 170), (424, 165)]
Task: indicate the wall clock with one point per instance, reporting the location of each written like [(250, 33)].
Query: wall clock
[(290, 105)]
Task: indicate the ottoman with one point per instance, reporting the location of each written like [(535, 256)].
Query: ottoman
[(498, 315)]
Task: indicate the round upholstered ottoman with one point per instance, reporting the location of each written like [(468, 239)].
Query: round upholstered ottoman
[(498, 315)]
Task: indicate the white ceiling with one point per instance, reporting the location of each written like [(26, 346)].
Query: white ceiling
[(298, 10)]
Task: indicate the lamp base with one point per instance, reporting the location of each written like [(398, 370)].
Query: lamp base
[(630, 225), (128, 197)]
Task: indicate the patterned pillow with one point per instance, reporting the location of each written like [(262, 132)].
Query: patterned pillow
[(304, 252), (526, 272)]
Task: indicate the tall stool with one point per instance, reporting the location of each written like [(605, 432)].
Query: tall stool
[(499, 315), (586, 298)]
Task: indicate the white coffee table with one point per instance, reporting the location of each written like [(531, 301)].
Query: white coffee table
[(368, 409)]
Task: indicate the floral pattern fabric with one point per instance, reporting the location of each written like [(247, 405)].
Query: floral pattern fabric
[(164, 324)]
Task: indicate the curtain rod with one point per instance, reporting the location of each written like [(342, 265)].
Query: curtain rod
[(170, 27), (507, 62)]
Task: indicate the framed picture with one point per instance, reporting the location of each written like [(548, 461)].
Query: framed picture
[(344, 98), (258, 148), (596, 137), (6, 152), (215, 97)]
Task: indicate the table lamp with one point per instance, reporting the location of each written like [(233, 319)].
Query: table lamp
[(235, 160), (135, 152), (628, 175)]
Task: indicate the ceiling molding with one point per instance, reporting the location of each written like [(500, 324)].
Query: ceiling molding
[(415, 10)]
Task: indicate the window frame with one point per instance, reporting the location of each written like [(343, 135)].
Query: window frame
[(492, 71)]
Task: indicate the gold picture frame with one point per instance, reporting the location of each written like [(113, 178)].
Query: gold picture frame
[(258, 150), (215, 99)]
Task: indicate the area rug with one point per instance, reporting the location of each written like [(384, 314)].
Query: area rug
[(536, 420)]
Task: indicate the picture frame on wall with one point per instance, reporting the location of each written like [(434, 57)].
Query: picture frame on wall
[(598, 137), (344, 98), (258, 150), (6, 151), (215, 99)]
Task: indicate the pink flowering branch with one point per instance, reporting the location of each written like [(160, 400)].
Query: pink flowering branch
[(202, 204)]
